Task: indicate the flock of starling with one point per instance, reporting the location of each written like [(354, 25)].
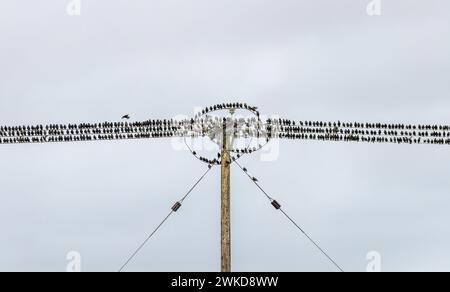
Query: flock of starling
[(228, 106), (204, 124), (89, 132), (364, 132)]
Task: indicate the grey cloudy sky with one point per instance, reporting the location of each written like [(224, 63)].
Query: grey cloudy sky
[(318, 60)]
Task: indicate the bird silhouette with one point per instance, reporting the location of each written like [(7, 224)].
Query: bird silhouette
[(126, 117)]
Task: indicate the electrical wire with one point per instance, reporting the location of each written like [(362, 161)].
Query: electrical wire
[(278, 207), (173, 210)]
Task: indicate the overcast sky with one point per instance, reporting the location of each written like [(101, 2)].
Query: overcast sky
[(303, 60)]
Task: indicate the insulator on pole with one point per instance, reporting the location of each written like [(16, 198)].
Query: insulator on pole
[(176, 207), (276, 205)]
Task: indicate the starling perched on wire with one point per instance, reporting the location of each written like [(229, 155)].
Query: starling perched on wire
[(255, 179), (245, 169)]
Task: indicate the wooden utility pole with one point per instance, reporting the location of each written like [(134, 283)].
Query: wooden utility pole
[(225, 201)]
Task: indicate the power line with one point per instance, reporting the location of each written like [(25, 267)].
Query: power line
[(312, 241), (277, 206), (254, 181), (174, 209), (145, 242)]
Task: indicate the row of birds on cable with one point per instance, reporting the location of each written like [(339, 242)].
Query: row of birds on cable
[(249, 122), (339, 124), (246, 133), (228, 106), (252, 177), (165, 124), (333, 137), (90, 131), (296, 130), (287, 122), (235, 154), (148, 123), (218, 160), (80, 138), (362, 138), (156, 125), (247, 150), (244, 128), (147, 126), (215, 161)]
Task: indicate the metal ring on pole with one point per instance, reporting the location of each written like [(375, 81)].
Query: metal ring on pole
[(203, 124)]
